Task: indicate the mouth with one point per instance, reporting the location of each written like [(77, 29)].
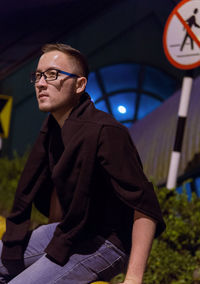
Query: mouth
[(40, 96)]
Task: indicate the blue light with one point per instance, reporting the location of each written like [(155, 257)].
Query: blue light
[(123, 105), (121, 109)]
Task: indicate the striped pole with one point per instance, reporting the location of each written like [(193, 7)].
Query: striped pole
[(182, 116)]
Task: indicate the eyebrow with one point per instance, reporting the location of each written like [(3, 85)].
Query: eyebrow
[(53, 67), (61, 71)]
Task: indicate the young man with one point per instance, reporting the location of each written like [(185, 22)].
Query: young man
[(84, 173)]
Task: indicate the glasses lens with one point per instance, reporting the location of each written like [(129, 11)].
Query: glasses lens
[(51, 75), (35, 77)]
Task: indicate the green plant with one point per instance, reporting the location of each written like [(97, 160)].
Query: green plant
[(176, 253), (10, 171)]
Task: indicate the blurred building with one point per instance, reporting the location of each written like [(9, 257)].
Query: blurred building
[(130, 75), (154, 137)]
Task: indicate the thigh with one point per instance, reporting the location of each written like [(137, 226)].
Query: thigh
[(91, 261), (99, 265), (38, 241)]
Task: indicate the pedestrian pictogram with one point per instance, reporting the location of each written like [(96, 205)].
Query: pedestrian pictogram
[(191, 22), (181, 38), (5, 115)]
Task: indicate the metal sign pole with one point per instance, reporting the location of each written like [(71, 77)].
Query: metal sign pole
[(182, 25), (182, 116)]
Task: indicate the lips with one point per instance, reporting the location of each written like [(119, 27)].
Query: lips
[(40, 96)]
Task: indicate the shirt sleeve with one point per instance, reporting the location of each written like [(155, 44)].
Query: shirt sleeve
[(33, 178), (119, 158)]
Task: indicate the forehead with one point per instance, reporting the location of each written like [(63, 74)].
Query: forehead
[(55, 59)]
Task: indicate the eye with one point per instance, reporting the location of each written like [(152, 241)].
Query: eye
[(51, 73), (37, 75)]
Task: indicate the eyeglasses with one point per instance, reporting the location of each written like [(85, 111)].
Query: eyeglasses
[(49, 75)]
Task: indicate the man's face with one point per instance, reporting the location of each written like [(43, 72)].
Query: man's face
[(60, 95)]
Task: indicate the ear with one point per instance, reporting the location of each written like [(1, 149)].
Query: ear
[(81, 85)]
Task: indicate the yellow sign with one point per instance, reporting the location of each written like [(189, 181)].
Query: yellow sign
[(2, 226), (5, 115), (117, 279)]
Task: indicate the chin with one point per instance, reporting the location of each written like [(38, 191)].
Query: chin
[(44, 108)]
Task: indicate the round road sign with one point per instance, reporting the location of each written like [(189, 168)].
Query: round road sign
[(181, 37)]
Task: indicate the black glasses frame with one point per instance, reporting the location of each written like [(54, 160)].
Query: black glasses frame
[(33, 77)]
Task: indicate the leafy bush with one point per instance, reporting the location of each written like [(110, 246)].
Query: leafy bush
[(10, 171), (176, 253)]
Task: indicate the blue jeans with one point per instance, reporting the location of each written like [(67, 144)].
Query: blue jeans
[(92, 260)]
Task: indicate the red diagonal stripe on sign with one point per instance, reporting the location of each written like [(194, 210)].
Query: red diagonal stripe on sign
[(190, 32)]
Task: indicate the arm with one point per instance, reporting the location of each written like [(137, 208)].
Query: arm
[(142, 238), (132, 187)]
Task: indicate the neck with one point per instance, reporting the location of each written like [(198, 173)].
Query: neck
[(62, 114), (61, 117)]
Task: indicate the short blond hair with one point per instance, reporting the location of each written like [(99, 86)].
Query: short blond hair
[(70, 51)]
